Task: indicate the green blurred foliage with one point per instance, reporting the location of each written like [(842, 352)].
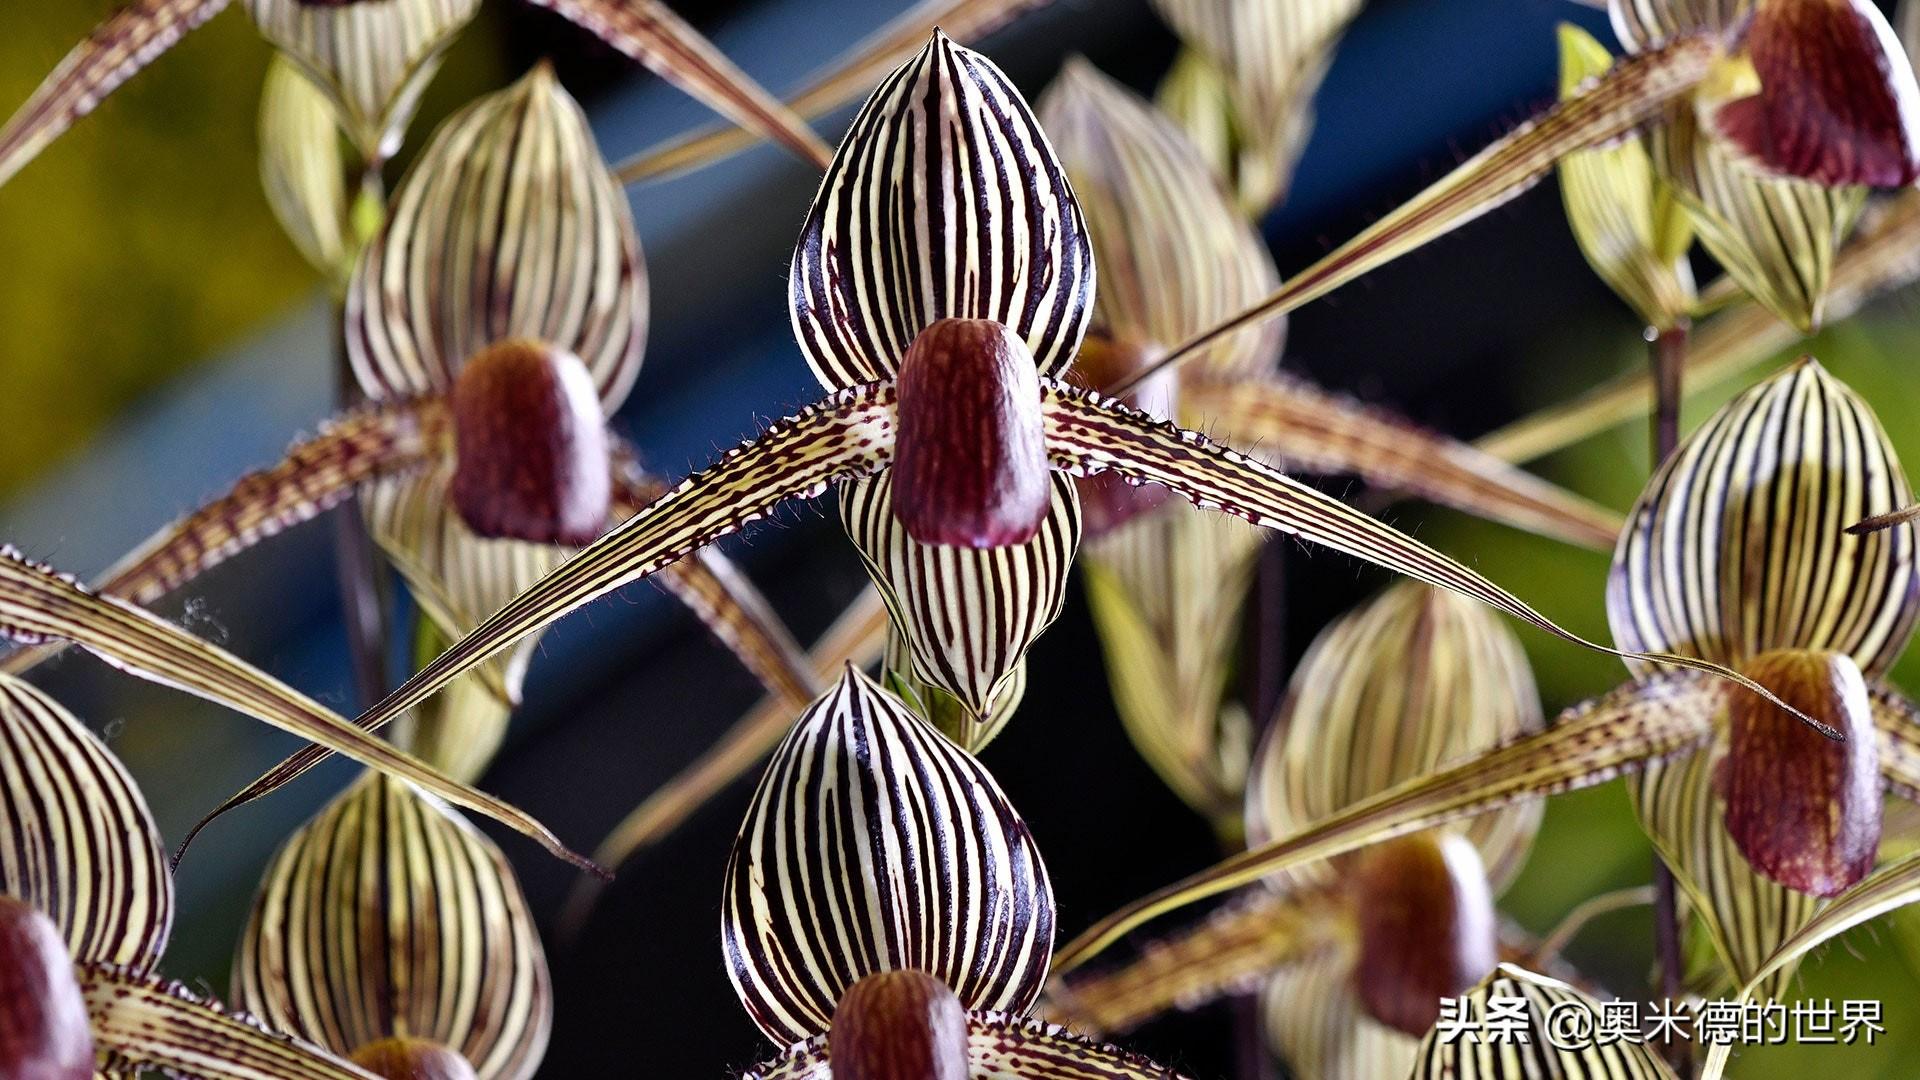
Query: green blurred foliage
[(1591, 843), (139, 243)]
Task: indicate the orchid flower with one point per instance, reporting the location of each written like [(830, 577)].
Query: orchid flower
[(385, 873), (1243, 86), (372, 58), (1735, 553), (484, 455), (1354, 954), (1812, 90), (1538, 1051), (940, 289), (887, 915), (86, 905), (1167, 585)]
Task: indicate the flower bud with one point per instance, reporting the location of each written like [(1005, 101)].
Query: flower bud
[(970, 464), (898, 1025), (43, 1019), (1803, 808), (530, 446), (412, 1059), (1426, 926)]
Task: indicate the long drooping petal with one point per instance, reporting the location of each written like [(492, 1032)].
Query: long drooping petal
[(650, 32), (83, 848), (1313, 430), (966, 616), (1000, 1046), (1739, 545), (944, 201), (301, 168), (1089, 434), (852, 74), (874, 844), (508, 227), (1631, 93), (858, 637), (38, 605), (316, 475), (1232, 949), (1410, 682), (388, 915), (1538, 1051), (1595, 742), (117, 49), (1884, 254), (1175, 253), (847, 436), (372, 60), (146, 1021)]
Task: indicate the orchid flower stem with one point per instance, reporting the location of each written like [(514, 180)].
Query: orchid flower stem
[(1582, 916), (1667, 353)]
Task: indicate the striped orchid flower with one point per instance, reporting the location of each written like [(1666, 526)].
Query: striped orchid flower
[(493, 346), (1167, 582), (1354, 954), (1735, 553), (86, 906), (925, 956), (1242, 87), (371, 59), (385, 873), (1538, 1051), (939, 292)]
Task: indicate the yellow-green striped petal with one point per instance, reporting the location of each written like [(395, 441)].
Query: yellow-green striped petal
[(508, 226), (82, 845), (1535, 1051), (1644, 24), (301, 167), (874, 844), (389, 915), (1316, 1023), (1738, 545), (371, 59), (945, 200)]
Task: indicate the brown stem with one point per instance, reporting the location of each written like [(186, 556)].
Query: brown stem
[(1667, 353)]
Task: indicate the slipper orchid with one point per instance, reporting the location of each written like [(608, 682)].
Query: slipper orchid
[(1736, 553), (372, 58)]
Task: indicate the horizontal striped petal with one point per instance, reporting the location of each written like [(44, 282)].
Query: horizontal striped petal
[(1738, 544), (1315, 1023), (1175, 253), (1883, 254), (1304, 427), (944, 201), (999, 1047), (1167, 591), (1897, 719), (388, 915), (1631, 93), (848, 435), (966, 615), (37, 604), (858, 637), (1408, 683), (1231, 951), (1893, 886), (852, 74), (302, 169), (372, 60), (129, 39), (1592, 743), (1776, 237), (316, 475), (508, 226), (81, 846), (149, 1022), (648, 31), (1622, 214), (1089, 434), (874, 844), (1534, 1053)]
